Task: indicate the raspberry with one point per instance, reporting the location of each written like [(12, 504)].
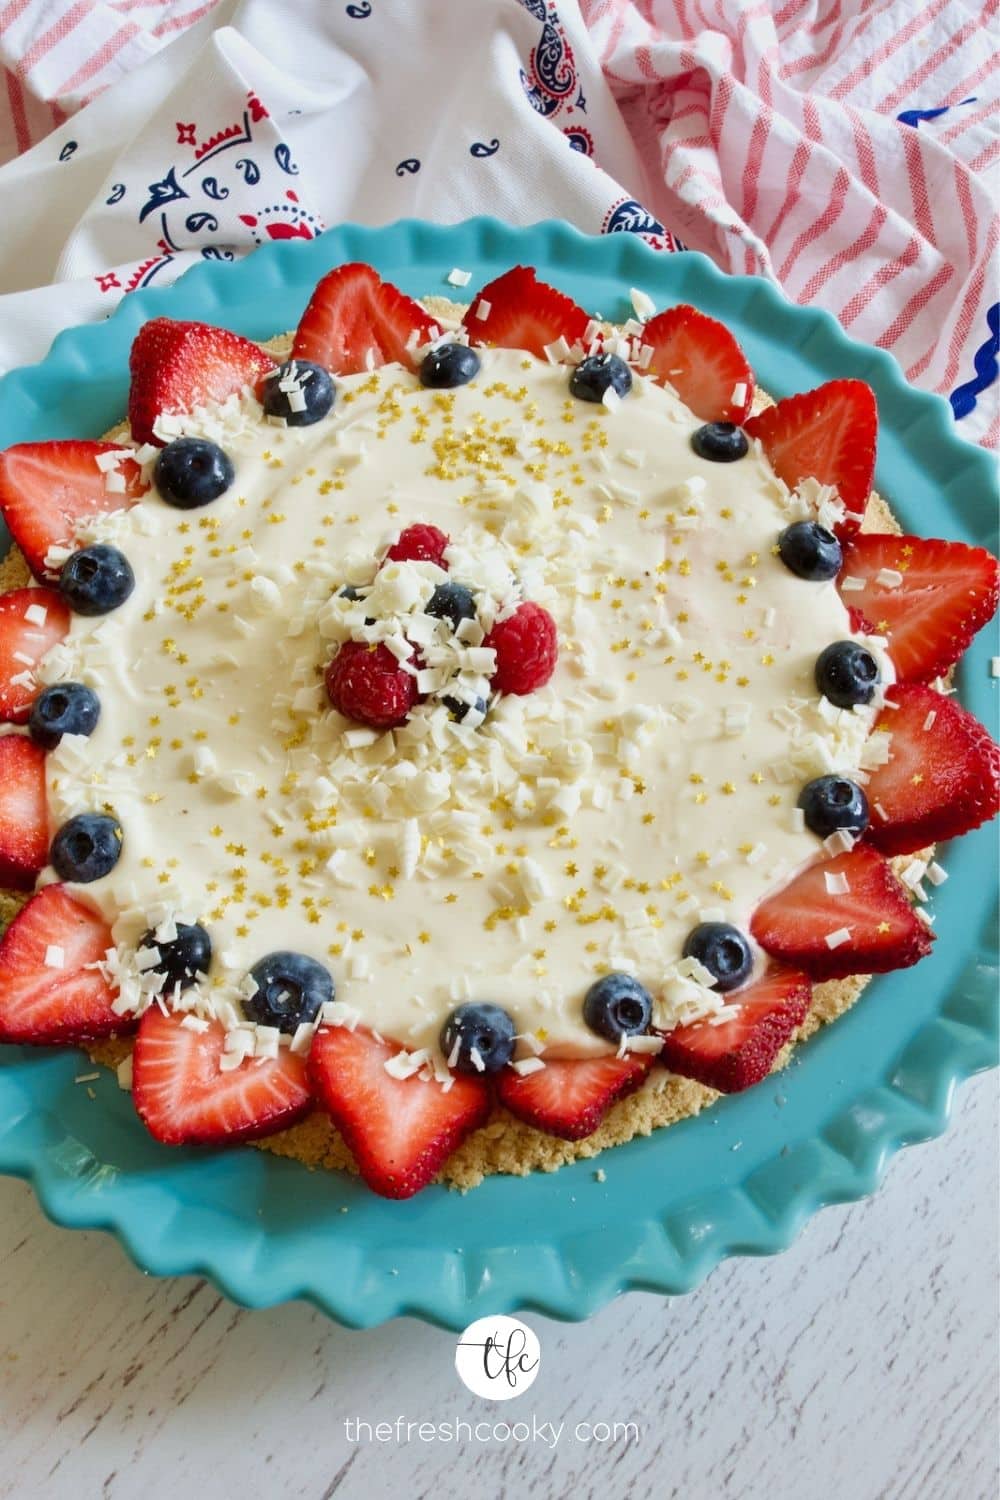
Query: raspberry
[(369, 686), (419, 543), (526, 646)]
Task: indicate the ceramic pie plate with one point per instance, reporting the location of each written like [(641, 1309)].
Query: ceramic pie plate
[(742, 1178)]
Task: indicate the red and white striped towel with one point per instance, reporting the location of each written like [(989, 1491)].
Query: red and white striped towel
[(57, 56), (845, 149)]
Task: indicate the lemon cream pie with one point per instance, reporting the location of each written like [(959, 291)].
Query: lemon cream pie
[(462, 742)]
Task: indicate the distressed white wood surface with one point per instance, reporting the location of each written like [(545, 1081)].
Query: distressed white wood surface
[(862, 1364)]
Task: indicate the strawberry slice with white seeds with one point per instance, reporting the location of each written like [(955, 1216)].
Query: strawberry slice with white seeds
[(516, 311), (401, 1130), (928, 597), (828, 434), (49, 992), (569, 1097), (184, 1098), (177, 366), (817, 925), (32, 621), (356, 321), (47, 489), (24, 824), (942, 777), (699, 357), (734, 1054)]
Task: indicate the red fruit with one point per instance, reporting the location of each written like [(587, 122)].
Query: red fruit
[(420, 543), (569, 1097), (46, 1004), (524, 314), (24, 822), (885, 932), (702, 361), (401, 1130), (47, 488), (355, 321), (368, 685), (527, 647), (177, 366), (859, 621), (22, 638), (736, 1054), (948, 592), (827, 434), (184, 1100), (942, 777)]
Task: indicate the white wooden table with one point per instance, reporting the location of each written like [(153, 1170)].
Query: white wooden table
[(860, 1365)]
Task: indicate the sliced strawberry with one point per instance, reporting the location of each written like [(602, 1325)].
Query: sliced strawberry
[(828, 434), (63, 1000), (860, 623), (948, 592), (522, 313), (23, 643), (24, 822), (355, 320), (883, 931), (47, 488), (401, 1130), (738, 1053), (699, 357), (184, 1099), (942, 777), (569, 1097), (177, 366)]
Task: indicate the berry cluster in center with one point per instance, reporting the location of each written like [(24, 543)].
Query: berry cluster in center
[(416, 634)]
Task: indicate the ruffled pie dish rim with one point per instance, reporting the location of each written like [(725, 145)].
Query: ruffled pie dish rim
[(662, 1211)]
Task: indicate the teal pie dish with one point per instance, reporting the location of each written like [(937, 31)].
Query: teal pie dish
[(742, 1178)]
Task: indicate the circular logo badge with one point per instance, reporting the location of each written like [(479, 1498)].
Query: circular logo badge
[(498, 1358)]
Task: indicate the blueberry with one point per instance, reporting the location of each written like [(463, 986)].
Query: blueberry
[(616, 1006), (847, 673), (724, 952), (452, 602), (810, 551), (65, 708), (599, 373), (720, 442), (310, 393), (477, 1038), (192, 471), (448, 365), (290, 989), (833, 802), (86, 847), (458, 709), (184, 957), (96, 579)]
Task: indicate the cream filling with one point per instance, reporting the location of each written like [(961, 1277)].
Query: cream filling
[(583, 828)]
